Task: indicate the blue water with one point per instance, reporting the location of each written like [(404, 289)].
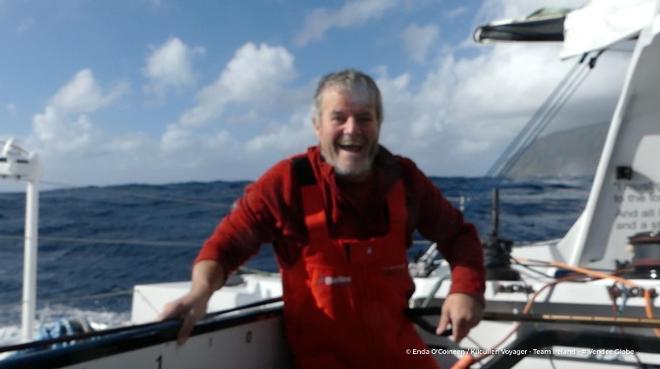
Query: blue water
[(183, 215)]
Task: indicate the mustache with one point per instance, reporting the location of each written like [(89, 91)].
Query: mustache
[(351, 140)]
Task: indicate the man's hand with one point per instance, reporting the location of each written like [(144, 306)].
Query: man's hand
[(463, 312), (190, 309), (207, 276)]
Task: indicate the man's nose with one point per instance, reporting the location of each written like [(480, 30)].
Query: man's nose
[(351, 126)]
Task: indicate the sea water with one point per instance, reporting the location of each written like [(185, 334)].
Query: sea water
[(96, 243)]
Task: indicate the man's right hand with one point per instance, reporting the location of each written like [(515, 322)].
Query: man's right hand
[(207, 277), (190, 309)]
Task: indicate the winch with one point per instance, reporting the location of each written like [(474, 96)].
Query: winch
[(646, 255)]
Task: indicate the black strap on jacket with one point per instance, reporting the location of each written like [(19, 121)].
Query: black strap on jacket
[(302, 170)]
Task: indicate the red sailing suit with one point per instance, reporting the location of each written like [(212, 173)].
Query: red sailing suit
[(345, 299), (341, 250)]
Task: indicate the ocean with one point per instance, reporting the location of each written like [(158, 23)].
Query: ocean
[(96, 243)]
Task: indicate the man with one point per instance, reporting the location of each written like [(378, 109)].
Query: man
[(340, 218)]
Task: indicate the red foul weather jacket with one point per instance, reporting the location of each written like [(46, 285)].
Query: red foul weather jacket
[(341, 248)]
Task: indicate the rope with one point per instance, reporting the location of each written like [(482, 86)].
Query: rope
[(106, 241)]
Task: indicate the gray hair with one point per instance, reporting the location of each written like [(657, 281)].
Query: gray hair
[(349, 80)]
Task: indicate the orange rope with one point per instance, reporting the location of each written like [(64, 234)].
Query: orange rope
[(648, 300), (468, 359), (649, 308)]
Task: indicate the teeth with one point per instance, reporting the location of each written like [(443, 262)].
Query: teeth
[(351, 147)]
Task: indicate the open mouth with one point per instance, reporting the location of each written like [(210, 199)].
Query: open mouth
[(351, 148)]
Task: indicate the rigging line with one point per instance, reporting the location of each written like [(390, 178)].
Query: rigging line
[(541, 114), (549, 118), (107, 241), (552, 113), (15, 147), (512, 147), (502, 157), (47, 302), (546, 117), (139, 195), (531, 268)]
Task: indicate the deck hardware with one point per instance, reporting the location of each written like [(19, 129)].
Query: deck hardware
[(624, 172), (497, 251), (514, 288), (616, 292)]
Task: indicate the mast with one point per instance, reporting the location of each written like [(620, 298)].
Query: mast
[(18, 164)]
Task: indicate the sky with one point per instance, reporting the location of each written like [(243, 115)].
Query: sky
[(162, 91)]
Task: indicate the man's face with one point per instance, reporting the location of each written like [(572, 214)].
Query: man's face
[(347, 130)]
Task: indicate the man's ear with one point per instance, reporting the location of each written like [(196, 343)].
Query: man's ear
[(317, 127)]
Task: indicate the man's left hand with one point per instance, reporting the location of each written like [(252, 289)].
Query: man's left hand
[(463, 312)]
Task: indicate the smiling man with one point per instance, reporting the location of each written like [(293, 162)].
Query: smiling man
[(341, 217)]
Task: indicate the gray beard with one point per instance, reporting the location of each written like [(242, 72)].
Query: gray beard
[(360, 171)]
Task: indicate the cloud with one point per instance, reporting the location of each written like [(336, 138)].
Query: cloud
[(492, 10), (418, 40), (64, 125), (453, 114), (11, 108), (285, 139), (468, 103), (353, 13), (246, 99), (467, 108), (170, 66), (255, 75), (83, 94)]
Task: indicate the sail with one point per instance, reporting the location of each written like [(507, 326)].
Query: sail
[(602, 23), (625, 198)]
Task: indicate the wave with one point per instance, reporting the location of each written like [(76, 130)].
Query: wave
[(98, 319)]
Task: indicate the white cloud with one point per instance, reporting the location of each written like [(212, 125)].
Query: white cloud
[(460, 117), (253, 85), (353, 13), (170, 65), (285, 139), (418, 40), (453, 115), (64, 126), (256, 74), (492, 10), (62, 133), (83, 95)]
